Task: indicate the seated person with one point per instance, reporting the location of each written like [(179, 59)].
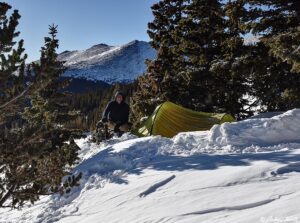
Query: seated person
[(116, 114)]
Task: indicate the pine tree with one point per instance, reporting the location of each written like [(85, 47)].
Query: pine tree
[(12, 59), (36, 156), (155, 86), (276, 80), (200, 57), (232, 66), (279, 25), (201, 34)]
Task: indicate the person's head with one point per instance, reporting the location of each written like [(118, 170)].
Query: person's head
[(119, 97)]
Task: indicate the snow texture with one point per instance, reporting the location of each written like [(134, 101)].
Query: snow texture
[(108, 63), (247, 171)]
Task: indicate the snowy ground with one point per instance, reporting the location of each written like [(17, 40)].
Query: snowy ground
[(247, 171)]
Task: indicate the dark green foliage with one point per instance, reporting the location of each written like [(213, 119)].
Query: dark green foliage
[(200, 34), (199, 49), (231, 66), (12, 60), (203, 63), (154, 87), (38, 152), (276, 74)]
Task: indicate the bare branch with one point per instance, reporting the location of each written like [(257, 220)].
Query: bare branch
[(16, 98)]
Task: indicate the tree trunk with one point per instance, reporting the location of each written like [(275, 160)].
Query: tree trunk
[(7, 195)]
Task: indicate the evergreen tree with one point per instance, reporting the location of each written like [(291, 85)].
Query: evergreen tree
[(155, 86), (200, 54), (35, 157), (278, 22), (276, 80), (201, 33), (12, 59), (232, 66)]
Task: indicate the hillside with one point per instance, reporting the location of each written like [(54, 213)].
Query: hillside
[(108, 63), (247, 171)]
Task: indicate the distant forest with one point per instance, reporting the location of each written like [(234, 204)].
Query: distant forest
[(92, 104)]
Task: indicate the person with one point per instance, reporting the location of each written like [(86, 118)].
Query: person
[(116, 114)]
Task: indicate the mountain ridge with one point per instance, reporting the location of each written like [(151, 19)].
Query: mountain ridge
[(102, 62)]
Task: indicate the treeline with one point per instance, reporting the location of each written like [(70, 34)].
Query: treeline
[(92, 104), (204, 62)]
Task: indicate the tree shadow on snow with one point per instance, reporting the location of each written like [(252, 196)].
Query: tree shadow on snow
[(213, 161), (136, 158)]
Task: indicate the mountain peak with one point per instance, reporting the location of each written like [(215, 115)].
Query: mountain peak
[(110, 64), (134, 42), (101, 45)]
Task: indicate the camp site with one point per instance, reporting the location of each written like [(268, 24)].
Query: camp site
[(157, 111)]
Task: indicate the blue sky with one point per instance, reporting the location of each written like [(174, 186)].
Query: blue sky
[(82, 23)]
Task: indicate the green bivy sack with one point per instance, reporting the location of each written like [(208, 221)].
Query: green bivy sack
[(168, 119)]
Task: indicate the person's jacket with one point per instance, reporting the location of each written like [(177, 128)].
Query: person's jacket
[(117, 113)]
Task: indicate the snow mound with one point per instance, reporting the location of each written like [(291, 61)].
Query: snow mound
[(236, 172), (244, 135), (266, 131), (279, 133), (252, 135)]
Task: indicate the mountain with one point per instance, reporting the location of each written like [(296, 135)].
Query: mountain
[(108, 63), (247, 171)]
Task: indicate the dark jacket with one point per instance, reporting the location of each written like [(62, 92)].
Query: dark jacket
[(116, 112)]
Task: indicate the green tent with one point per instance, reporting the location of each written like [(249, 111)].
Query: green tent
[(168, 119)]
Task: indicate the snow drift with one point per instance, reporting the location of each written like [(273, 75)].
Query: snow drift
[(264, 134), (246, 171)]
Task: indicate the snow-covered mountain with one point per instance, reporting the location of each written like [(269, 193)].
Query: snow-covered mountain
[(242, 172), (108, 63)]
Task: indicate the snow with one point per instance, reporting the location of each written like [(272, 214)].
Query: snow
[(108, 63), (247, 171)]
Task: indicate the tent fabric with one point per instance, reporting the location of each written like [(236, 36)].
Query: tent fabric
[(168, 119)]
